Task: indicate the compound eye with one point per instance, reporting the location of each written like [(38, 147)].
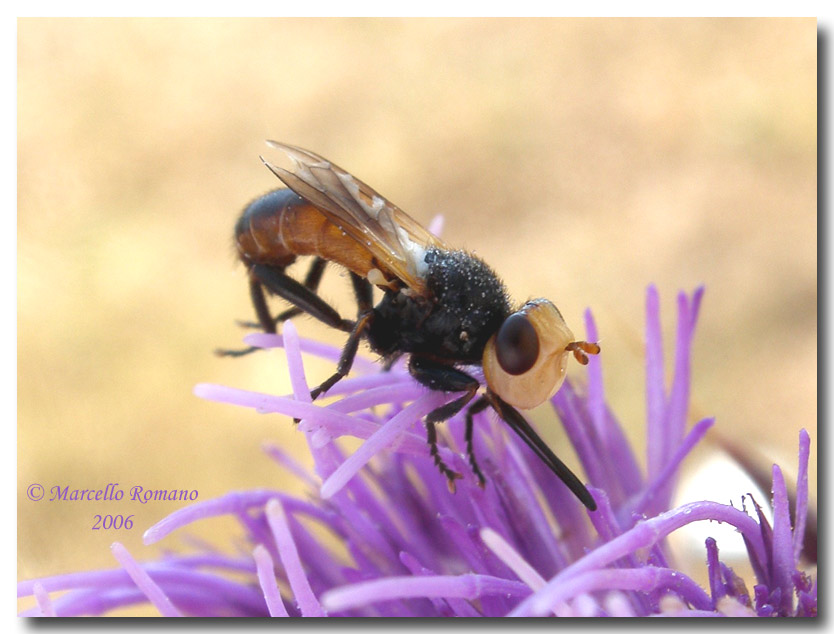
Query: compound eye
[(517, 345)]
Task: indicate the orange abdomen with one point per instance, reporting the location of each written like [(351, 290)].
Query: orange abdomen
[(279, 226)]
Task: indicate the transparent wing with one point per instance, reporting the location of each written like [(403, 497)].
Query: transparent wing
[(395, 239)]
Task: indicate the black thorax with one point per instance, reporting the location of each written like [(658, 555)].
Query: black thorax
[(466, 306)]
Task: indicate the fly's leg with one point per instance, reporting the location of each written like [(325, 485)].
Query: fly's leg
[(431, 437), (363, 291), (438, 376), (311, 281), (305, 299), (348, 355), (478, 406), (281, 284), (256, 292)]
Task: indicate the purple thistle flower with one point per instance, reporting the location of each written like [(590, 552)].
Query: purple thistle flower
[(522, 546)]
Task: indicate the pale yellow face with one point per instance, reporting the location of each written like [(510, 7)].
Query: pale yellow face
[(526, 360)]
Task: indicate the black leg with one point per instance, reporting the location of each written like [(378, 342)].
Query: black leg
[(445, 378), (362, 290), (431, 437), (256, 292), (348, 355), (281, 284), (303, 297), (311, 281), (478, 406), (364, 293), (519, 425), (438, 376)]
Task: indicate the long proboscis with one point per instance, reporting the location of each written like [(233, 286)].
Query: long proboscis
[(520, 426)]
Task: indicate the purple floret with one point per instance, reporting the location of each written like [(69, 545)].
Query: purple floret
[(379, 533)]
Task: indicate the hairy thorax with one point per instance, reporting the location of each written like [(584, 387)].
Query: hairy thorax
[(466, 306)]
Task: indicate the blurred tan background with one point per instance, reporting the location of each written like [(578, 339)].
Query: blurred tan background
[(583, 159)]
